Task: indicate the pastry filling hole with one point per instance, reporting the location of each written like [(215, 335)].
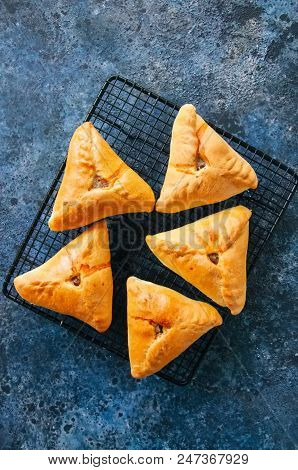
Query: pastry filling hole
[(158, 328), (214, 258), (99, 182), (200, 164), (76, 280)]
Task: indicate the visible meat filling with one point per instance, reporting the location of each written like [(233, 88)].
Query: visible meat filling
[(200, 164), (214, 258), (99, 182), (76, 280), (158, 329)]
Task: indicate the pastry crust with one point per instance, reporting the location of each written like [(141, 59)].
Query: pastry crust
[(202, 168), (210, 254), (77, 281), (96, 184), (161, 324)]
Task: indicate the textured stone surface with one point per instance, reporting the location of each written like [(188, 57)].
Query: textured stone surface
[(235, 61)]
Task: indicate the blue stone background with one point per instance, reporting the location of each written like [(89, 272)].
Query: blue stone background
[(235, 61)]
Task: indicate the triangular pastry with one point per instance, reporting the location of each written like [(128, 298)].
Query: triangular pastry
[(161, 324), (96, 184), (77, 281), (202, 168), (210, 254)]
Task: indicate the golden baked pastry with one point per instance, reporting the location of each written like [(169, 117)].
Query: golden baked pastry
[(202, 168), (77, 281), (210, 254), (96, 184), (161, 324)]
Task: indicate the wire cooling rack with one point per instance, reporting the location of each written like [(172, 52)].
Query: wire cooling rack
[(137, 124)]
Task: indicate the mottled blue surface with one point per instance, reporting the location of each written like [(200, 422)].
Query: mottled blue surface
[(235, 61)]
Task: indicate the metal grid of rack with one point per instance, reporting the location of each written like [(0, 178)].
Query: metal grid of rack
[(137, 124)]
